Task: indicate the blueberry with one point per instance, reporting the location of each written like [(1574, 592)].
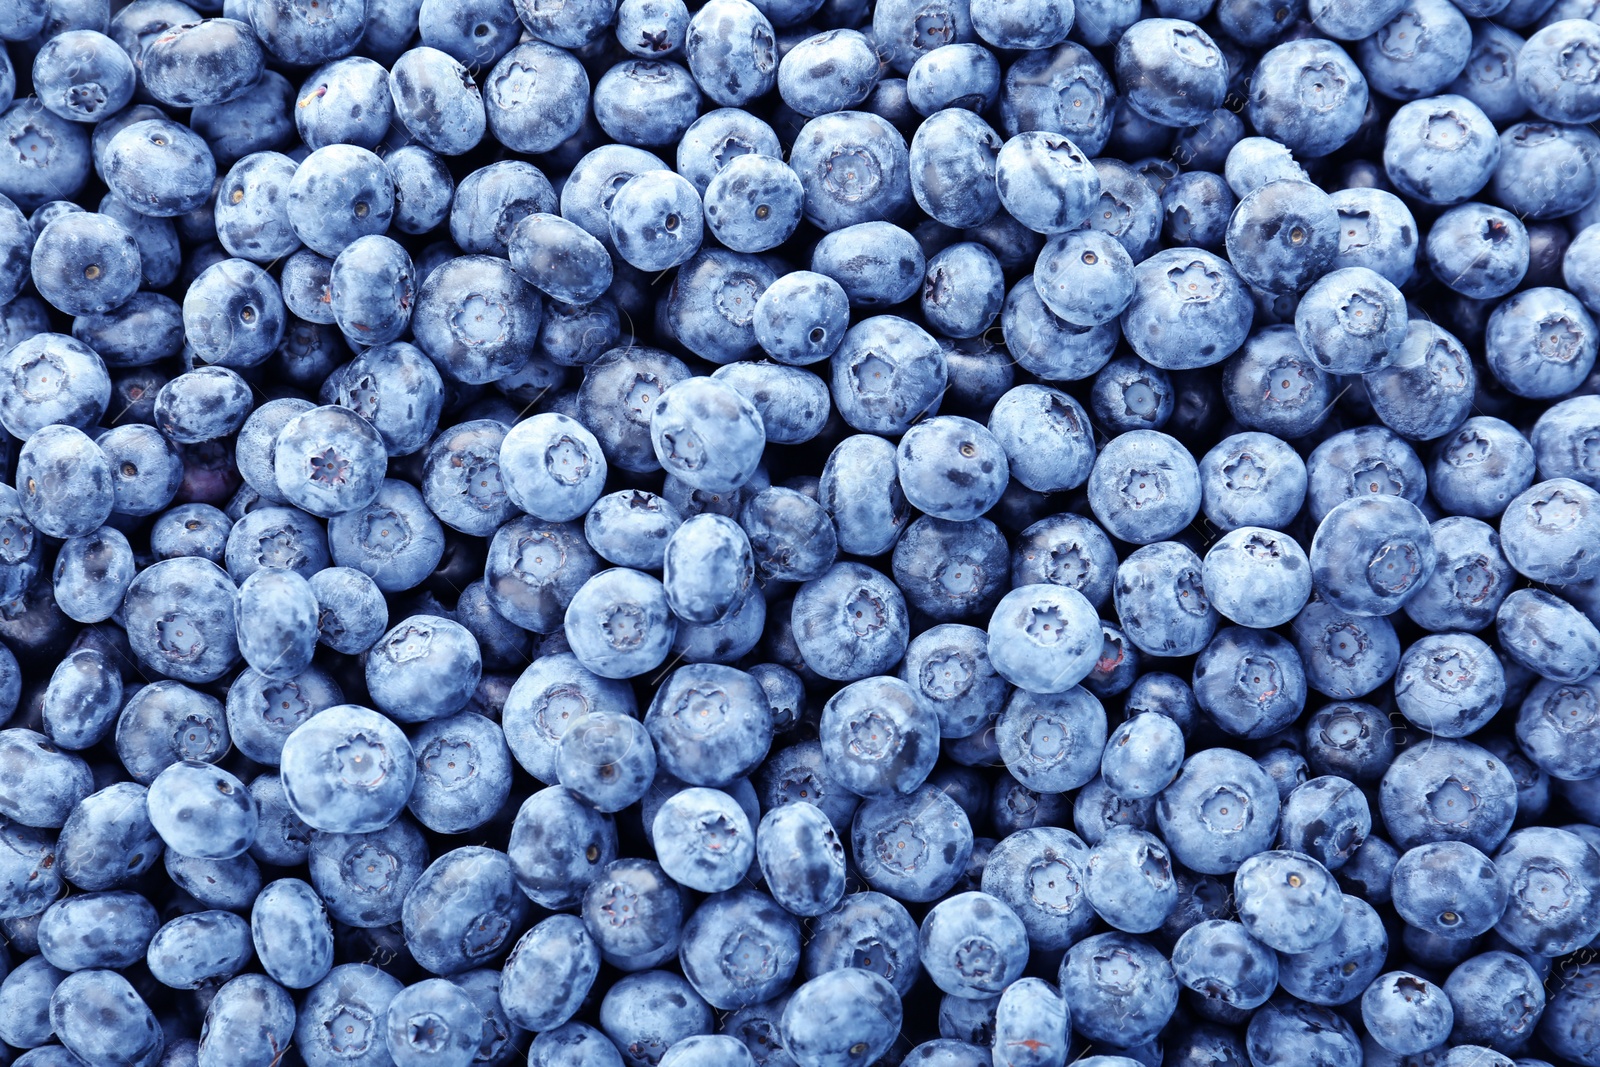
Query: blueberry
[(462, 910), (304, 279), (1479, 468), (461, 480), (437, 101), (574, 1045), (1239, 562), (202, 405), (634, 912), (1131, 881), (397, 389), (647, 28), (251, 213), (1117, 968), (1251, 478), (878, 738), (606, 759), (339, 193), (560, 944), (1283, 235), (1553, 728), (107, 840), (342, 1018), (1205, 295), (85, 263), (912, 846), (559, 258), (202, 811), (329, 460), (1540, 342), (854, 167), (642, 102), (703, 840), (732, 51), (831, 71), (344, 102), (1143, 755), (1287, 769), (1447, 790), (646, 1014), (293, 938), (710, 308), (1195, 207), (97, 930), (618, 622), (740, 949), (372, 286), (1381, 542), (1497, 999), (965, 928), (1173, 73), (965, 76), (869, 931), (282, 839), (1326, 818), (463, 773), (101, 1018), (23, 24), (423, 186), (1361, 462), (704, 1050), (951, 570), (968, 1020), (60, 173), (1441, 150), (1031, 1025), (963, 290), (200, 947), (1219, 961), (1161, 600), (1450, 889), (245, 1010), (1069, 551), (1290, 1031), (863, 1012), (1309, 95), (277, 537), (802, 859), (146, 469), (347, 770), (200, 62), (1220, 810), (1406, 1014), (91, 575), (550, 694), (351, 614), (1287, 900), (363, 877), (82, 76), (656, 221), (28, 879), (276, 623), (1546, 76), (709, 724), (1547, 635), (474, 33), (1449, 684)]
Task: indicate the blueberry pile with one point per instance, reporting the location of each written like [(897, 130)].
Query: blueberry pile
[(799, 533)]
